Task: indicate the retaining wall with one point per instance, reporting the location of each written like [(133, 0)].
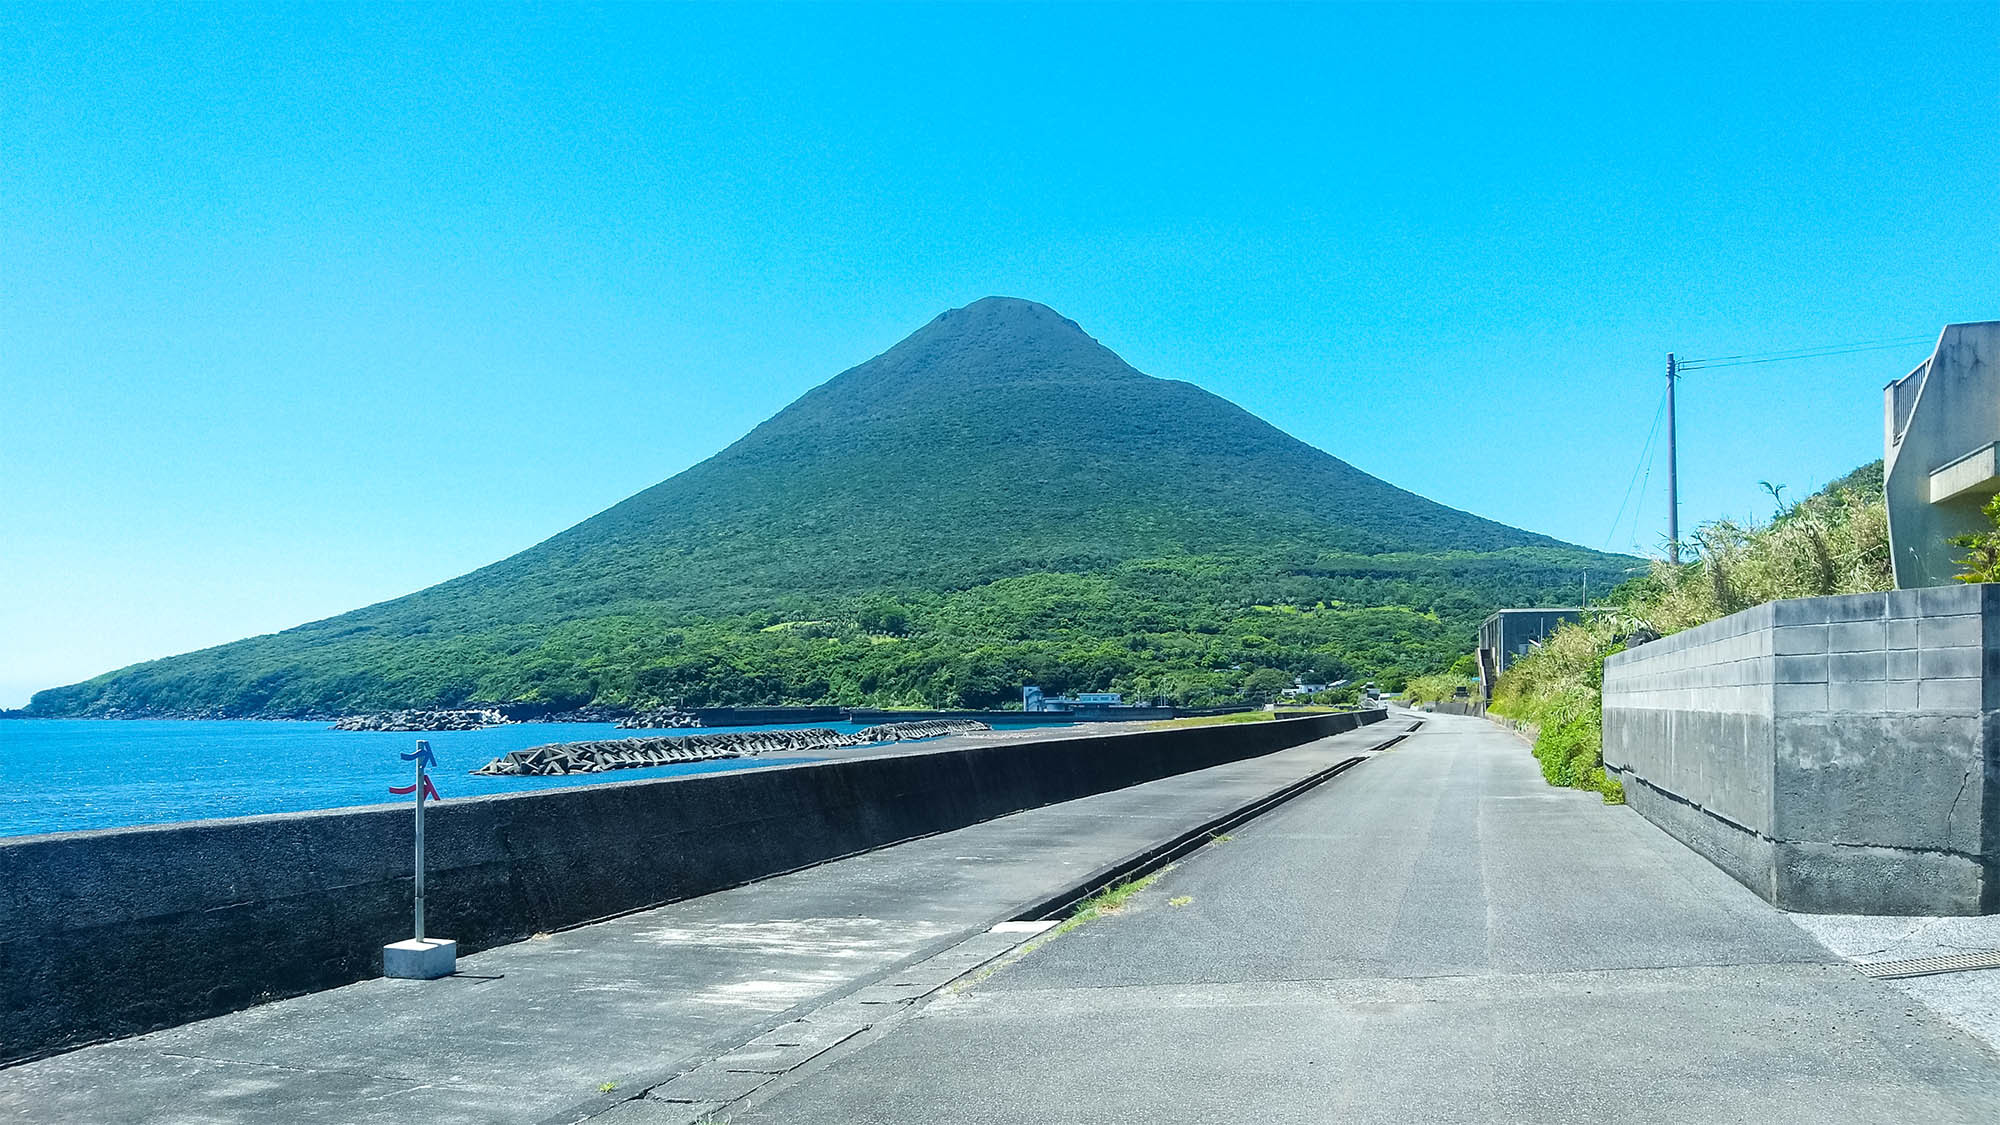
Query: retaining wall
[(1836, 755), (117, 932)]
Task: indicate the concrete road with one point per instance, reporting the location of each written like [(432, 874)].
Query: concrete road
[(530, 1029), (1435, 937)]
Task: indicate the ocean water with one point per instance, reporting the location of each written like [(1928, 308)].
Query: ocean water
[(62, 775)]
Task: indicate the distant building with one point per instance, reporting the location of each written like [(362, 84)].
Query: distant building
[(1509, 634), (1032, 699), (1941, 451), (1301, 687)]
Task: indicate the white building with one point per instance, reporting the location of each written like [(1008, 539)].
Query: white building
[(1941, 451)]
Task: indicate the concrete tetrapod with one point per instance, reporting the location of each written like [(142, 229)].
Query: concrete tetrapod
[(561, 758)]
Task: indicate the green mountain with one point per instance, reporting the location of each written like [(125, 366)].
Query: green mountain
[(997, 499)]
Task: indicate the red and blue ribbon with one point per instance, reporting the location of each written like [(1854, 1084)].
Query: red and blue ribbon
[(430, 790)]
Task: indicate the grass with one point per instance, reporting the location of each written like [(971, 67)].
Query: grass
[(606, 1087), (1180, 900), (1220, 838), (1439, 688), (1107, 901), (1833, 542), (1212, 720)]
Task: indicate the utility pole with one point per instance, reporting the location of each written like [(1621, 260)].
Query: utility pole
[(1673, 465)]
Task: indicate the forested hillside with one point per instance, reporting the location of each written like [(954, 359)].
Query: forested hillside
[(998, 499)]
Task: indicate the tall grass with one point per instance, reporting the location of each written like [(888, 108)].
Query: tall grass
[(1833, 542), (1438, 688)]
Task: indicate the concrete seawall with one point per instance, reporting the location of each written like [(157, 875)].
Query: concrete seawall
[(1836, 754), (117, 932)]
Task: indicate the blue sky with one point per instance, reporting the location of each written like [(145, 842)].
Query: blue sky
[(304, 308)]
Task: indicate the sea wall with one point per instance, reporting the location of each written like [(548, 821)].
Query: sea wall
[(1835, 755), (872, 715), (766, 716), (1120, 714), (117, 932)]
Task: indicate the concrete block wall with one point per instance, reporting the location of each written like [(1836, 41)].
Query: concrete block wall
[(122, 931), (1835, 754)]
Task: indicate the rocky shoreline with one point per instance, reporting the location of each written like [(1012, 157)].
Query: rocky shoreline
[(422, 720)]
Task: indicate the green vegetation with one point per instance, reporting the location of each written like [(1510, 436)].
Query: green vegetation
[(1439, 687), (1833, 542), (1108, 901), (1213, 720), (1982, 548), (997, 500)]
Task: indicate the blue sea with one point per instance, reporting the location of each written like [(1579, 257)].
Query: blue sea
[(62, 775)]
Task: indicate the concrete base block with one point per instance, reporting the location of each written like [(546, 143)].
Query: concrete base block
[(1746, 856), (1859, 879), (425, 959)]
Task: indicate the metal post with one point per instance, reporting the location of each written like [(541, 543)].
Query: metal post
[(1673, 468), (419, 958), (423, 755)]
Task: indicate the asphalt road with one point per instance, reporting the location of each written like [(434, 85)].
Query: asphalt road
[(1435, 937), (528, 1030)]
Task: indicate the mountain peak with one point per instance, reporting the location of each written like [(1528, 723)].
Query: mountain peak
[(991, 341), (1045, 512), (1016, 314)]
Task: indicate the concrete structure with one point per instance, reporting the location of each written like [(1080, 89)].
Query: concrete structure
[(1033, 699), (752, 982), (1092, 705), (1437, 937), (420, 958), (1836, 754), (766, 716), (1434, 935), (1941, 451), (1509, 634), (122, 931)]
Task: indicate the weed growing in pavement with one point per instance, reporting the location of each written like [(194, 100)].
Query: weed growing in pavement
[(1108, 901)]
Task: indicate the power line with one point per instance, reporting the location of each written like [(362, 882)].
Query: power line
[(1639, 509), (1799, 353), (1677, 367), (1645, 463)]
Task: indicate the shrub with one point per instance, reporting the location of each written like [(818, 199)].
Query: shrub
[(1437, 688), (1833, 542), (1982, 548)]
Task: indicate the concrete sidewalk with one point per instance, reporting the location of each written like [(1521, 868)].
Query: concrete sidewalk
[(530, 1031), (1439, 937)]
